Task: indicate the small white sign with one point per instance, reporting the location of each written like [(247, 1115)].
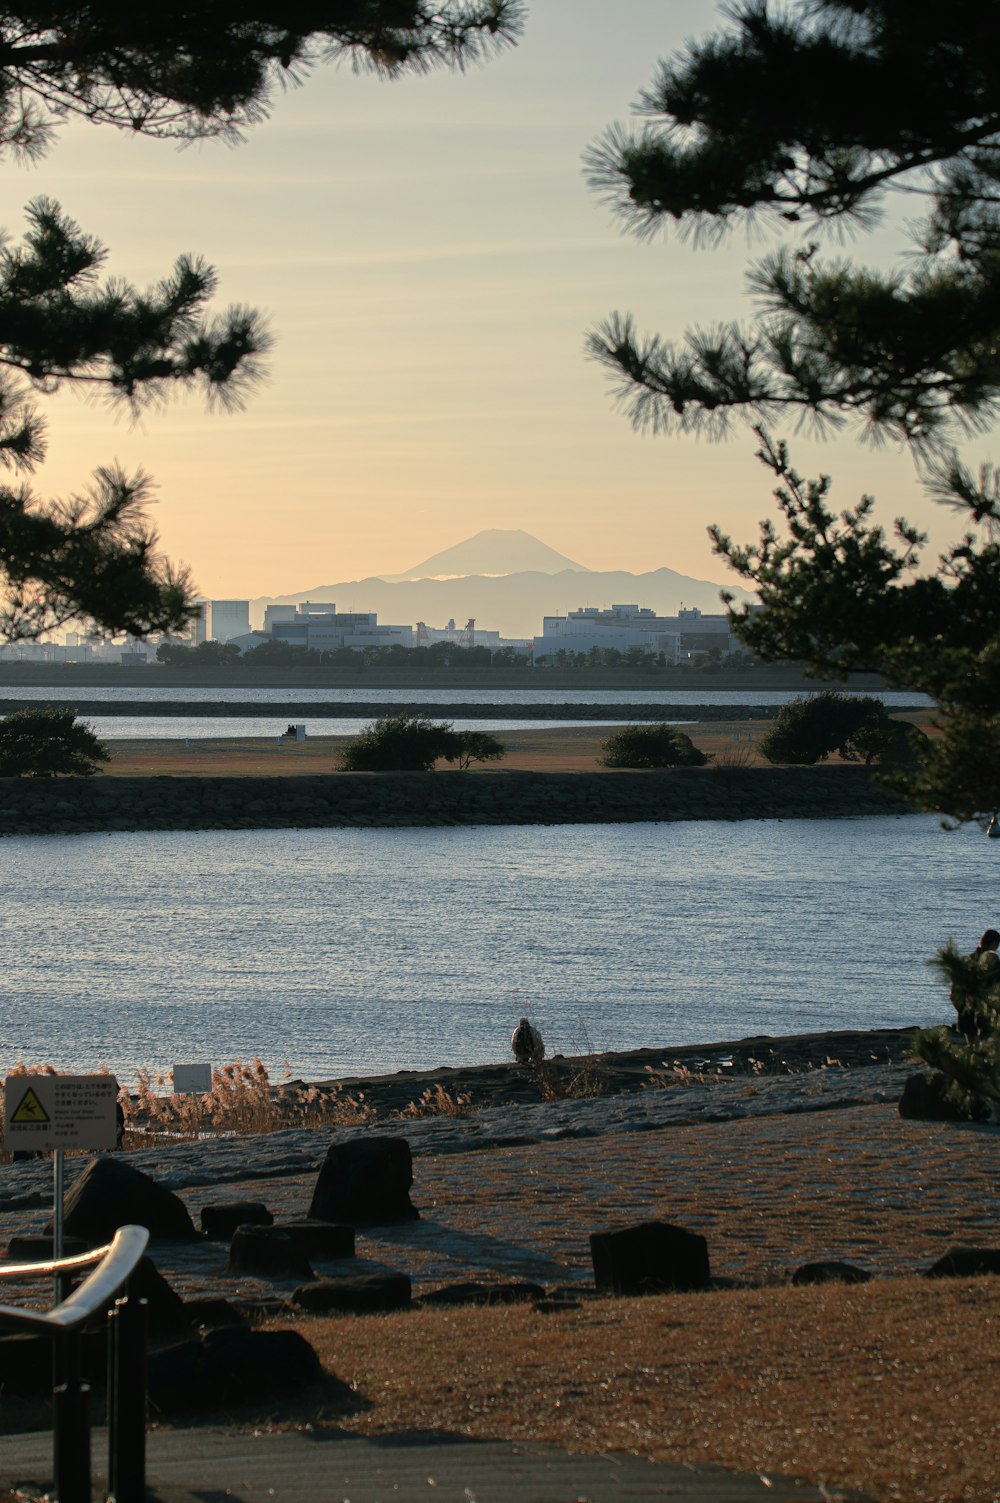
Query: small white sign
[(192, 1080), (60, 1111)]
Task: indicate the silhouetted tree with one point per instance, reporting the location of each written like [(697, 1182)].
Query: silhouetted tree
[(474, 746), (808, 729), (185, 71)]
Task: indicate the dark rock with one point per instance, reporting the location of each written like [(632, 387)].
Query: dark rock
[(165, 1312), (173, 1376), (39, 1249), (830, 1273), (110, 1193), (268, 1250), (221, 1220), (483, 1294), (649, 1259), (26, 1362), (243, 1365), (363, 1293), (925, 1099), (965, 1263), (211, 1313), (365, 1183), (230, 1367), (320, 1239)]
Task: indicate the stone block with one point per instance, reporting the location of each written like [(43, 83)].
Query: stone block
[(365, 1182), (268, 1250), (650, 1258), (356, 1294), (222, 1219)]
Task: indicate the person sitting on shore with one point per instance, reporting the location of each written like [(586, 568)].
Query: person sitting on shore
[(526, 1043), (974, 1020)]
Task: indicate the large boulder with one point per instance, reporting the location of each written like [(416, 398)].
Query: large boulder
[(965, 1263), (650, 1258), (222, 1218), (365, 1182), (110, 1193), (166, 1314), (230, 1367), (270, 1251), (38, 1249), (925, 1099)]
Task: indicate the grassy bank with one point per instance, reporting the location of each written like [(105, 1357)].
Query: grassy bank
[(888, 1388)]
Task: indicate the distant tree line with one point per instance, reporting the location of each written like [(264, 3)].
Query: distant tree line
[(279, 654)]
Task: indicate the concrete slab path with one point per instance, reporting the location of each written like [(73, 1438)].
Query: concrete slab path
[(325, 1466)]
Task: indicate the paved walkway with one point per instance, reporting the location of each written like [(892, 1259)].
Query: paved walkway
[(211, 1466)]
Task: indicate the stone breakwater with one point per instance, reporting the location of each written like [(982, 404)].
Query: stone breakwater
[(353, 709), (33, 806)]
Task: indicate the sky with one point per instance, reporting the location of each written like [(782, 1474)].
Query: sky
[(430, 259)]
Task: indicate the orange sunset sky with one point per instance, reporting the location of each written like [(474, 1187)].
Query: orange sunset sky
[(430, 259)]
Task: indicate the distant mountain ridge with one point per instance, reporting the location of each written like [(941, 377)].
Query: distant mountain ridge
[(493, 551), (512, 604), (499, 597)]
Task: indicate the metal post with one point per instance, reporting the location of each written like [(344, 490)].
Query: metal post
[(127, 1402), (71, 1425), (57, 1220), (111, 1392)]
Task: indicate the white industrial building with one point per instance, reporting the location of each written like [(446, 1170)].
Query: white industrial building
[(229, 619), (323, 627), (625, 626)]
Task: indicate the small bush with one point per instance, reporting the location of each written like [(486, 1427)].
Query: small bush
[(46, 742), (398, 743), (655, 745)]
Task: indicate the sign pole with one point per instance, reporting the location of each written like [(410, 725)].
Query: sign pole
[(57, 1214)]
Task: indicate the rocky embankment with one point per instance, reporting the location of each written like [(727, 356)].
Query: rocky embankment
[(34, 806), (354, 709)]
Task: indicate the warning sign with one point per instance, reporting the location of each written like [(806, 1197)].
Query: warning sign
[(60, 1111), (29, 1109)]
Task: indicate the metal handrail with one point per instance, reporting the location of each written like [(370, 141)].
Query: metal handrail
[(116, 1262)]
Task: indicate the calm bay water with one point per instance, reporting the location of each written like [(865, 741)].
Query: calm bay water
[(363, 951)]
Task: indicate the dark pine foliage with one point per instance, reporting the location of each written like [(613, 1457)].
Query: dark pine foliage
[(809, 115)]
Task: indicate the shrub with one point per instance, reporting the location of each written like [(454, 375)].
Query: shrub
[(655, 745), (44, 742), (474, 746), (398, 743), (808, 729)]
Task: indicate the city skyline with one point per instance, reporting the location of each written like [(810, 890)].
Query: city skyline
[(430, 260)]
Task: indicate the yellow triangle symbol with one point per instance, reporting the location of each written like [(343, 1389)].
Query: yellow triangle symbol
[(29, 1109)]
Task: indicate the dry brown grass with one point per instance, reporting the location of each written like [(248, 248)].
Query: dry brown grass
[(243, 1100), (888, 1387), (568, 748)]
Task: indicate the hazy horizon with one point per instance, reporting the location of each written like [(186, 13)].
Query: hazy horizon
[(430, 260)]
